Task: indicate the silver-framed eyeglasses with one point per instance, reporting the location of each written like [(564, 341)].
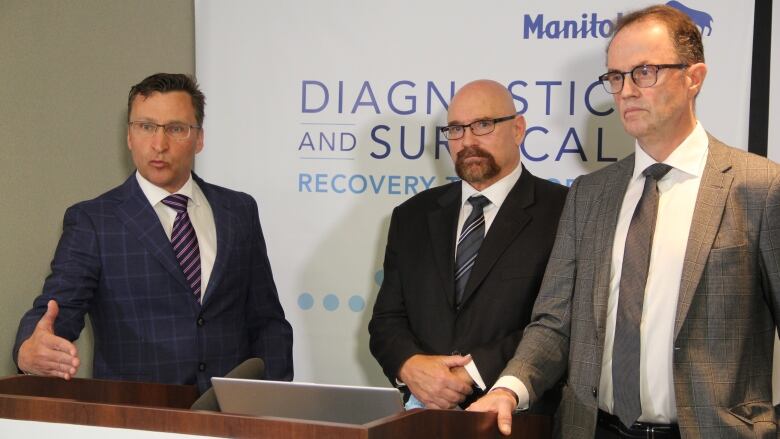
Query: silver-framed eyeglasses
[(644, 76), (478, 127), (175, 130)]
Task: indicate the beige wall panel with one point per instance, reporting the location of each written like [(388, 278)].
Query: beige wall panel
[(64, 76)]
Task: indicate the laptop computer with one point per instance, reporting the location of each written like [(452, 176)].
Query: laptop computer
[(315, 402)]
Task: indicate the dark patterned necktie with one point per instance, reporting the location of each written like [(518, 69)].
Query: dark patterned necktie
[(468, 244), (633, 279), (185, 242)]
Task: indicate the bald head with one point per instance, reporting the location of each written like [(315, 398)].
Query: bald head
[(482, 93), (486, 157)]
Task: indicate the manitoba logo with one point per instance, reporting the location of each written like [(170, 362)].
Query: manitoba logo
[(587, 26), (592, 25), (702, 19)]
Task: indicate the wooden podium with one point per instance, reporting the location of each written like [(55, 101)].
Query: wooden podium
[(165, 408)]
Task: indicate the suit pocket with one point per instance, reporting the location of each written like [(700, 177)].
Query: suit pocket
[(754, 411), (760, 415), (728, 239)]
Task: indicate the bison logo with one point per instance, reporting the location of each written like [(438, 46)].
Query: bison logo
[(702, 19)]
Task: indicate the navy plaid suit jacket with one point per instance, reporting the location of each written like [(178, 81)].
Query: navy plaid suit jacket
[(115, 263)]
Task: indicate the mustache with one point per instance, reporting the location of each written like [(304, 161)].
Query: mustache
[(472, 151)]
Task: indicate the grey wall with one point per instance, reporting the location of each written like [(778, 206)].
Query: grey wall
[(65, 70)]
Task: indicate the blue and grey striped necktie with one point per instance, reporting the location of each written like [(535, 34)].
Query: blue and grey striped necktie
[(468, 244)]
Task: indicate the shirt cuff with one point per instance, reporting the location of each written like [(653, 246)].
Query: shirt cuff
[(471, 368), (517, 386)]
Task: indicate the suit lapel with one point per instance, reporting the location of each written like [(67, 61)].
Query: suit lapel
[(139, 217), (710, 204), (224, 221), (612, 198), (442, 226), (508, 223)]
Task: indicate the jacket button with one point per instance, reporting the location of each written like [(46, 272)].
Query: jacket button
[(202, 367), (201, 321), (595, 392)]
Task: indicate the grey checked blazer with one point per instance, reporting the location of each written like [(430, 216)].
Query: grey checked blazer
[(727, 312)]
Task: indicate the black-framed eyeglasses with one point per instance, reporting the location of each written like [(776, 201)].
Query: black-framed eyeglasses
[(643, 76), (174, 130), (478, 127)]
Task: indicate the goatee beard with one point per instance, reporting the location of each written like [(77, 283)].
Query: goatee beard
[(476, 172)]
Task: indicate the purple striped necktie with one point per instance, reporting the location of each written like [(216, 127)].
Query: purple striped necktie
[(185, 242)]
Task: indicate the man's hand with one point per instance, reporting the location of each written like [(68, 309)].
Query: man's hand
[(46, 354), (463, 374), (501, 401), (430, 380)]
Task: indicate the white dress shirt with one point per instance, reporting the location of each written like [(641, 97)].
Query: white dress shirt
[(677, 198), (201, 217), (496, 193)]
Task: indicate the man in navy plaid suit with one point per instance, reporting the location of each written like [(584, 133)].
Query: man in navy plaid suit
[(153, 320)]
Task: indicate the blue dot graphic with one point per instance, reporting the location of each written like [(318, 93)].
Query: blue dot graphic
[(379, 276), (330, 302), (356, 303), (305, 301)]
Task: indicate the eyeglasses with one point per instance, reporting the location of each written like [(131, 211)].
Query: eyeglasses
[(174, 130), (643, 76), (478, 127)]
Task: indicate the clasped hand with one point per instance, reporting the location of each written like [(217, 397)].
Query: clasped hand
[(438, 381)]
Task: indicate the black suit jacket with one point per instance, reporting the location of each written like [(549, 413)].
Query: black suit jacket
[(415, 312), (115, 263)]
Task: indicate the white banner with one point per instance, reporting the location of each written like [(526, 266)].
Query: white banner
[(773, 148), (326, 112)]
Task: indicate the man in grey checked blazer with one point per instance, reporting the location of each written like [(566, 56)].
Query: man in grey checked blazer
[(115, 262), (707, 356)]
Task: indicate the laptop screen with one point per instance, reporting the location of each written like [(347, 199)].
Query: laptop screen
[(316, 402)]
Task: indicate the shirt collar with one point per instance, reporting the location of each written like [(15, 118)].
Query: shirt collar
[(496, 192), (688, 157), (156, 194)]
